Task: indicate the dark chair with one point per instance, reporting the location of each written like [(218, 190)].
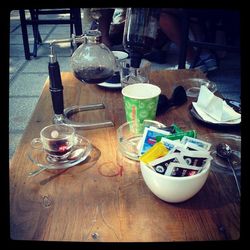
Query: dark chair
[(203, 16), (34, 20)]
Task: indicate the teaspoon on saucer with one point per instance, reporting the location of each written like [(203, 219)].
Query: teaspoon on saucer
[(224, 150), (75, 154)]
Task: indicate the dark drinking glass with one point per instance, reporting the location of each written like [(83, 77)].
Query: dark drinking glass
[(140, 32)]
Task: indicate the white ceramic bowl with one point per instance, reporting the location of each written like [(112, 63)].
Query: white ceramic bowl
[(174, 189)]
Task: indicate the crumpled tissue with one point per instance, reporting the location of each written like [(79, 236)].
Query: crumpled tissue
[(214, 109)]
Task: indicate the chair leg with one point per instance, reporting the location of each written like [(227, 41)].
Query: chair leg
[(24, 34), (36, 33), (76, 15), (71, 32), (38, 36), (71, 43)]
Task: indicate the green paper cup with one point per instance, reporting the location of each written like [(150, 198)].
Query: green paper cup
[(140, 102)]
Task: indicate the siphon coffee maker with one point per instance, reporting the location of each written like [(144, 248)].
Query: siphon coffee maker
[(92, 63)]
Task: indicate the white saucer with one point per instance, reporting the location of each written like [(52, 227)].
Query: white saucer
[(40, 158), (219, 164), (234, 104), (110, 85)]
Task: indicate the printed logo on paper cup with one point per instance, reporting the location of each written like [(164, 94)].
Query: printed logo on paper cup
[(140, 109), (142, 105), (143, 114), (133, 113), (151, 105), (129, 104)]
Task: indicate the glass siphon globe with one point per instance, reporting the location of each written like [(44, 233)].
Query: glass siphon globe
[(93, 62)]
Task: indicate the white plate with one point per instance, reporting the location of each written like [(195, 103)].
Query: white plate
[(234, 104), (110, 85)]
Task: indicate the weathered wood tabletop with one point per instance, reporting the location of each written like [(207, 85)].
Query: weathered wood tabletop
[(84, 204)]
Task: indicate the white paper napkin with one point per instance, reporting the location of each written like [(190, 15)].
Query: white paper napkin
[(214, 109)]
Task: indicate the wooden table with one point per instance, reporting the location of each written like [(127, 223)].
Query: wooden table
[(83, 204)]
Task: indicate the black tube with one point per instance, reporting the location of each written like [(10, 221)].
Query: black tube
[(56, 88)]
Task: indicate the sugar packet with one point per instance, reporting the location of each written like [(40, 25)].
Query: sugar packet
[(200, 143), (149, 138), (179, 170)]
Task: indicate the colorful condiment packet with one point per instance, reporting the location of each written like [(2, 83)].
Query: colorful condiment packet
[(170, 144), (191, 155), (161, 164), (156, 151), (178, 170), (200, 143), (149, 138), (178, 136)]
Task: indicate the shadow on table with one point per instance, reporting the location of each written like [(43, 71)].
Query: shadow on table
[(88, 163), (215, 193)]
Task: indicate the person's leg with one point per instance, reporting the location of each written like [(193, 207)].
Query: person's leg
[(104, 25), (117, 26), (87, 19), (203, 29), (170, 25)]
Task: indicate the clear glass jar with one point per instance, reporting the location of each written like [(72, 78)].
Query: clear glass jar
[(93, 62), (130, 75)]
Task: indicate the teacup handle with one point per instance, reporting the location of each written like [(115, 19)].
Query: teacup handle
[(77, 139), (36, 143)]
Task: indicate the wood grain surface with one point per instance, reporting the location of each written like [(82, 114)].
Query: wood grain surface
[(84, 204)]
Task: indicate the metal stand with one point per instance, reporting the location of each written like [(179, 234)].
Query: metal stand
[(68, 112)]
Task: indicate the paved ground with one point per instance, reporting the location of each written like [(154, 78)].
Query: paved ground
[(26, 78)]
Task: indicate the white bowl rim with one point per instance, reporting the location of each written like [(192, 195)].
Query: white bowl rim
[(203, 172)]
